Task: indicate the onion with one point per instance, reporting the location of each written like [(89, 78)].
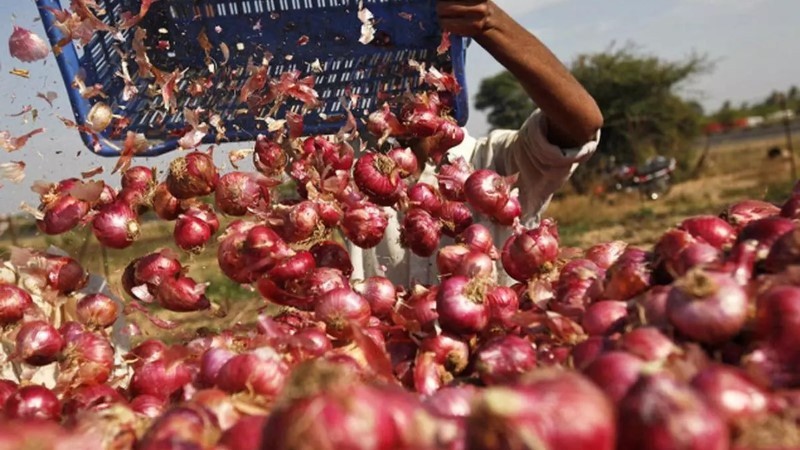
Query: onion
[(648, 343), (380, 293), (629, 276), (268, 157), (508, 214), (293, 268), (579, 284), (182, 294), (791, 208), (364, 225), (330, 212), (138, 177), (181, 428), (33, 402), (333, 156), (27, 46), (244, 435), (730, 393), (784, 252), (452, 402), (88, 359), (7, 389), (64, 274), (425, 196), (261, 372), (778, 319), (165, 205), (449, 258), (584, 353), (85, 398), (39, 343), (406, 161), (298, 222), (668, 249), (461, 305), (542, 413), (378, 177), (237, 193), (148, 351), (766, 231), (615, 373), (529, 252), (211, 363), (339, 309), (116, 225), (420, 232), (62, 214), (149, 406), (605, 318), (606, 254), (420, 308), (136, 198), (97, 310), (479, 238), (658, 412), (156, 267), (332, 254), (475, 265), (503, 305), (709, 229), (696, 254), (421, 116), (439, 360), (487, 191), (746, 211), (455, 217), (191, 234), (452, 177), (383, 123), (159, 378), (14, 301), (707, 307), (247, 251), (193, 175), (653, 306), (503, 359)]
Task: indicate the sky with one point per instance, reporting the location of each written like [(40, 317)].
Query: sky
[(753, 43)]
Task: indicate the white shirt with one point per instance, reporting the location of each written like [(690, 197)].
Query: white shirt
[(543, 168)]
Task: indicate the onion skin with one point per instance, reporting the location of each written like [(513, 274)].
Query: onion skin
[(439, 360), (660, 413), (451, 178), (455, 218), (540, 413), (707, 307), (27, 46), (504, 359), (14, 301), (742, 213)]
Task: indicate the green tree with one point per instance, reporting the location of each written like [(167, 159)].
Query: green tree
[(639, 95)]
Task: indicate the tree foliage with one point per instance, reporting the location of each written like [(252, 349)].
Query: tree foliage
[(639, 95)]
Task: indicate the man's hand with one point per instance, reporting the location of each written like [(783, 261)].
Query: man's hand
[(469, 18)]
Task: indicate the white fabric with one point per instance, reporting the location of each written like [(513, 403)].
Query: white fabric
[(543, 168)]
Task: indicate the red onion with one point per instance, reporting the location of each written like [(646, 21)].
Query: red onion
[(329, 211), (452, 402), (159, 378), (584, 353), (149, 406), (261, 372), (778, 319), (461, 305), (237, 193), (339, 309), (479, 238), (503, 304), (136, 199), (62, 214), (449, 258), (487, 191), (730, 393), (653, 306), (335, 156), (606, 254), (244, 435), (7, 389), (33, 402), (165, 205), (27, 46), (322, 280), (332, 254), (605, 318), (211, 363), (420, 232), (156, 267), (707, 307), (191, 234), (710, 229), (380, 293), (181, 428), (439, 360), (697, 254), (39, 343), (455, 217), (791, 208), (542, 413), (193, 175), (658, 412), (298, 222), (205, 213), (529, 252), (648, 343), (138, 177), (452, 177), (312, 342), (88, 360), (378, 177), (364, 225), (615, 373), (420, 308), (766, 231), (425, 196), (247, 251), (64, 274), (293, 268), (629, 276), (14, 301), (116, 225), (148, 351), (475, 265), (579, 284), (182, 294), (668, 249), (97, 310), (268, 157), (421, 115), (746, 211), (504, 359), (405, 159), (508, 213), (784, 252), (85, 398), (220, 404), (383, 123)]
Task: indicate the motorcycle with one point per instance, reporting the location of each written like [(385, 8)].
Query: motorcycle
[(652, 179)]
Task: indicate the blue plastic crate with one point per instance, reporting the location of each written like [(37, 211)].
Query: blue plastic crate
[(406, 29)]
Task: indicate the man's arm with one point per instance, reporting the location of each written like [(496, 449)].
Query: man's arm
[(573, 116)]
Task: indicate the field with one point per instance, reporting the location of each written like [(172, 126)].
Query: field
[(734, 171)]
